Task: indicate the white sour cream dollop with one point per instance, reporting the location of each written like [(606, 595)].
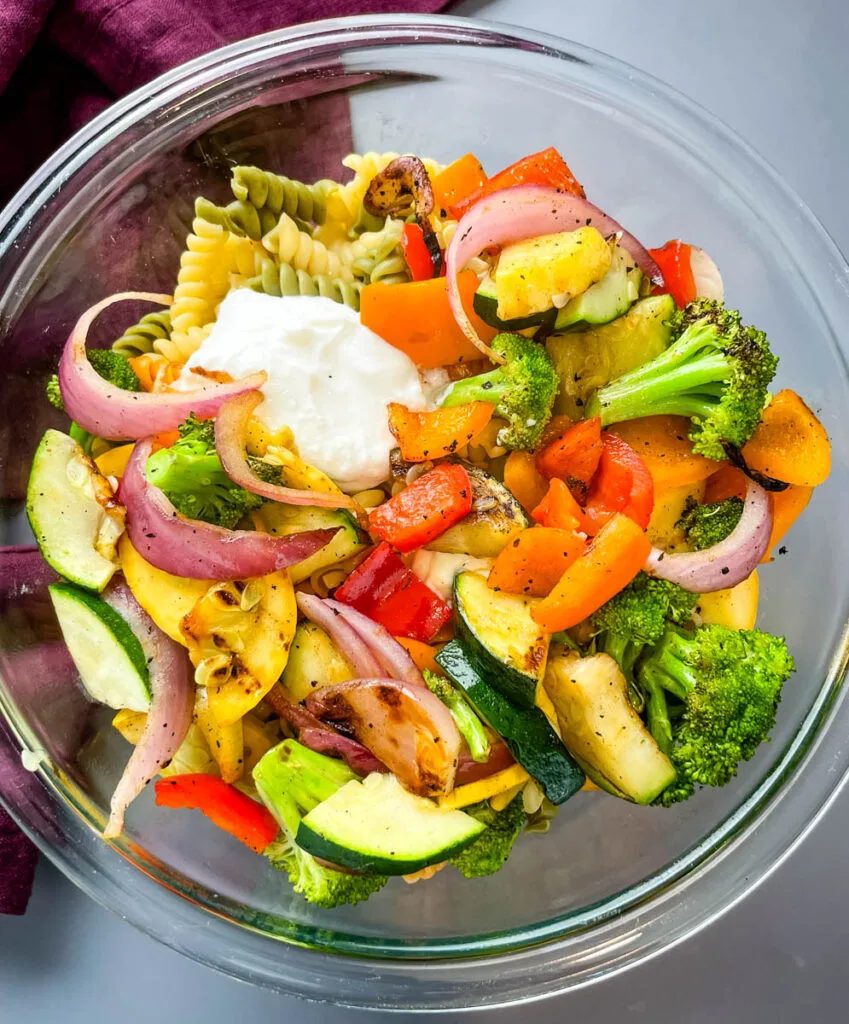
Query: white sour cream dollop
[(329, 378)]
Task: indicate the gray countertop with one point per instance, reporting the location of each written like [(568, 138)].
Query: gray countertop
[(776, 71)]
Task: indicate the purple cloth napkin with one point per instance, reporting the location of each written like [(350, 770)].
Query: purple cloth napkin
[(61, 63)]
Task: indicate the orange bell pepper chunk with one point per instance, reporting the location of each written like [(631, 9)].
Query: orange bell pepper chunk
[(535, 560), (560, 509), (790, 443), (610, 563), (787, 506), (456, 182), (544, 168), (574, 456), (423, 655), (428, 507), (524, 481), (663, 445), (166, 439), (727, 482), (430, 435), (416, 317), (675, 262)]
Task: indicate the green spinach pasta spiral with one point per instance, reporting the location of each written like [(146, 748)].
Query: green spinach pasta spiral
[(139, 339), (283, 279), (262, 197)]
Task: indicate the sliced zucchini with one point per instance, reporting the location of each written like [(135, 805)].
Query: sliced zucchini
[(485, 304), (75, 531), (599, 725), (526, 731), (586, 360), (314, 661), (287, 519), (608, 298), (377, 826), (499, 635), (496, 518), (107, 653)]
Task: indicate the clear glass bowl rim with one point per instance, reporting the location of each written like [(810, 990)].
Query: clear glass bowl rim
[(544, 959)]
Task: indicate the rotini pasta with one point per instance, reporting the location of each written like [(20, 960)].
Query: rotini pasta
[(212, 255), (282, 279), (376, 255), (297, 248), (139, 338)]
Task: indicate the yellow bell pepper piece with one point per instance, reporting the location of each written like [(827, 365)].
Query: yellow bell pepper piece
[(114, 462), (736, 608), (485, 789)]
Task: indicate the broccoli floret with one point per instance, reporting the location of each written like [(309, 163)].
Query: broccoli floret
[(193, 479), (111, 366), (469, 725), (712, 696), (291, 779), (706, 525), (522, 390), (487, 854), (319, 885), (636, 616), (716, 372), (54, 395)]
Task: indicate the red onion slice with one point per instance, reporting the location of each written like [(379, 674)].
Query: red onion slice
[(170, 713), (196, 550), (470, 770), (346, 638), (321, 737), (525, 211), (119, 415), (725, 564), (394, 659), (406, 727), (231, 425)]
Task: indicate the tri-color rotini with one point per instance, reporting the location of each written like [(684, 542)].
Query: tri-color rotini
[(140, 338)]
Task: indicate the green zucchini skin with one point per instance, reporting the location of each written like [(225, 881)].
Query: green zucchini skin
[(526, 731)]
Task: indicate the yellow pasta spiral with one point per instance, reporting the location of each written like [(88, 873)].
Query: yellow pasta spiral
[(297, 248), (345, 204)]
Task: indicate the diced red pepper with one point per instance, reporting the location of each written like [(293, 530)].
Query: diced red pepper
[(674, 260), (622, 483), (573, 456), (425, 509), (223, 804), (416, 253), (544, 168), (383, 588)]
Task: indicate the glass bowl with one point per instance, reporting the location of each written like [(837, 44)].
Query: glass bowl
[(613, 883)]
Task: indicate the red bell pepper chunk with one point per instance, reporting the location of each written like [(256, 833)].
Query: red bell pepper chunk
[(622, 483), (383, 588), (428, 507), (674, 260), (544, 168), (223, 804), (574, 455), (416, 253)]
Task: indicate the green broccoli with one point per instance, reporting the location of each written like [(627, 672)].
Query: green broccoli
[(291, 780), (706, 525), (712, 696), (637, 616), (193, 479), (469, 725), (112, 367), (523, 390), (487, 854), (716, 372)]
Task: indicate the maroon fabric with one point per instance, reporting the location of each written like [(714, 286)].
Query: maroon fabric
[(61, 63)]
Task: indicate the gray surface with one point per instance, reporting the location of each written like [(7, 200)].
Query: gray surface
[(776, 71)]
